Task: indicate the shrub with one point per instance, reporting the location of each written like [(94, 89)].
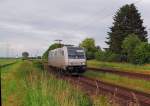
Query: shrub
[(128, 46), (100, 55), (137, 52), (113, 57), (89, 55), (142, 53), (107, 56)]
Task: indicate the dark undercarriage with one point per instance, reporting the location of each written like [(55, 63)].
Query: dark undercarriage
[(71, 70), (75, 69)]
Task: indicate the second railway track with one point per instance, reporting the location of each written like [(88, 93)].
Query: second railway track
[(122, 73), (122, 95)]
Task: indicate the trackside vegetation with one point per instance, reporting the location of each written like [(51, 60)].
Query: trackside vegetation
[(145, 69), (137, 84), (25, 83), (7, 61)]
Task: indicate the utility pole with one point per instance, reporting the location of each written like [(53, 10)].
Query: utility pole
[(59, 41)]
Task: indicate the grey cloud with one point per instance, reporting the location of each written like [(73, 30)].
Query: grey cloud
[(33, 25)]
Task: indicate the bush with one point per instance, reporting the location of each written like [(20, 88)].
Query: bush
[(100, 55), (112, 57), (142, 53), (128, 46), (89, 55), (137, 52), (107, 56)]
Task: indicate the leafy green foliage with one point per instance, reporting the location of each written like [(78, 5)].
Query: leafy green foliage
[(129, 45), (126, 21), (106, 56), (137, 52), (100, 55), (89, 45), (53, 46), (142, 53)]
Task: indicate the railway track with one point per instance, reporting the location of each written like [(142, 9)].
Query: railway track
[(121, 73), (122, 95), (118, 94)]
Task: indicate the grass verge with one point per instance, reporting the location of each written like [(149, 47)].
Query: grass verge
[(145, 69), (7, 61), (140, 85), (26, 84)]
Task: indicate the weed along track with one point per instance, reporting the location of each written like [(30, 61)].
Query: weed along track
[(116, 94), (121, 95), (122, 73), (128, 95)]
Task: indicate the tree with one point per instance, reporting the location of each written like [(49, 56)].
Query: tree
[(51, 47), (89, 45), (25, 55), (129, 44), (126, 21)]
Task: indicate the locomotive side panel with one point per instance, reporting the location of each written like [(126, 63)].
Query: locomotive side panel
[(57, 58), (70, 59)]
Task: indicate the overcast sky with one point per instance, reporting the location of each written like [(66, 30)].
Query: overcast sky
[(32, 25)]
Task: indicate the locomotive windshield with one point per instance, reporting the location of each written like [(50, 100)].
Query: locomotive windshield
[(75, 53)]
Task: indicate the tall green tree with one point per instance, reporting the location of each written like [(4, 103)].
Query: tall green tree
[(126, 21), (89, 45)]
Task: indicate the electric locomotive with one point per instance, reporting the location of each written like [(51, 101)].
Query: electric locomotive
[(69, 59)]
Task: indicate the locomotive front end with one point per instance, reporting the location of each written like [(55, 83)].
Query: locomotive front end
[(76, 60)]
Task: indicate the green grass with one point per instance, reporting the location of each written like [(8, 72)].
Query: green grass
[(102, 101), (7, 61), (145, 69), (137, 84), (27, 84)]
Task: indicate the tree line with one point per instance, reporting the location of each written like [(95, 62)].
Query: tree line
[(127, 40)]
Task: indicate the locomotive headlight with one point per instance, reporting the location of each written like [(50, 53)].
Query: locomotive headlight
[(83, 63)]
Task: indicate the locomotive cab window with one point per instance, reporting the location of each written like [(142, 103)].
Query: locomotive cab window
[(76, 53)]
